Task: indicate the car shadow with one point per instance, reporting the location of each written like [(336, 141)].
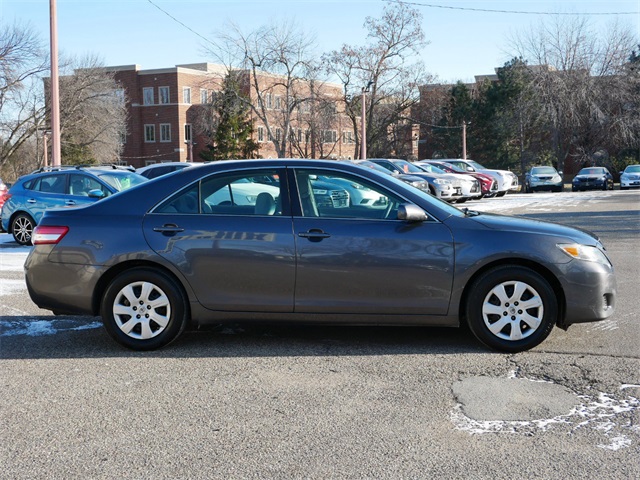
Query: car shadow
[(239, 340)]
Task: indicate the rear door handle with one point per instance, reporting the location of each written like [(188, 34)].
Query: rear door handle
[(314, 234), (70, 202)]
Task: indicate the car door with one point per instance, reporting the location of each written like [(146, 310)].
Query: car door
[(79, 187), (362, 259), (230, 235), (45, 192)]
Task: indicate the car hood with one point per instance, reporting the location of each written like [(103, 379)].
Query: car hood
[(589, 175), (527, 225)]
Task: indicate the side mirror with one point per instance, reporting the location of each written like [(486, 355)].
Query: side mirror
[(96, 193), (411, 213)]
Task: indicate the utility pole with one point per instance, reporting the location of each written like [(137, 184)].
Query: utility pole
[(464, 140), (55, 87)]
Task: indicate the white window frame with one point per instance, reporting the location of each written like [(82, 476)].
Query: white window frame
[(162, 93), (149, 128), (188, 132), (147, 96), (165, 132), (260, 134), (204, 96), (186, 95)]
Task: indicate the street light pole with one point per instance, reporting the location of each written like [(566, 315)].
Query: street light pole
[(363, 141)]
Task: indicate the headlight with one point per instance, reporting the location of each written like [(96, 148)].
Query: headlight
[(584, 252), (318, 191), (440, 181), (535, 178)]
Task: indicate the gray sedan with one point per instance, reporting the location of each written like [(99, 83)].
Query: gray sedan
[(168, 254)]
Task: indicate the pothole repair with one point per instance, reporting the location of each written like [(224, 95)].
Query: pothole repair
[(526, 407)]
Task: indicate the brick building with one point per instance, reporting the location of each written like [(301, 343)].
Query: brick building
[(163, 106)]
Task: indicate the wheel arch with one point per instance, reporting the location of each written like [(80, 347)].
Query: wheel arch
[(15, 214), (116, 270), (517, 262)]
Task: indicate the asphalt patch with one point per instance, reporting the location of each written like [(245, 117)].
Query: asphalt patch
[(513, 399)]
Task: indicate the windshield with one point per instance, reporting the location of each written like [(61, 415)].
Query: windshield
[(407, 167), (431, 168), (476, 165), (591, 171), (543, 171), (122, 180), (632, 169)]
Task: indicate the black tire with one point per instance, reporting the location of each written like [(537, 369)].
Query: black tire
[(22, 228), (501, 194), (498, 322), (143, 309)]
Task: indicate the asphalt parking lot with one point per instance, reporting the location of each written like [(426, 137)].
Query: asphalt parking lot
[(320, 402)]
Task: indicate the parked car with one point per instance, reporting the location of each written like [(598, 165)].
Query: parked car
[(158, 169), (151, 265), (592, 178), (469, 186), (507, 181), (58, 187), (543, 178), (416, 182), (630, 177), (439, 186), (488, 185), (4, 190)]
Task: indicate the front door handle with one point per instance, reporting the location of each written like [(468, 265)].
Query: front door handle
[(168, 229)]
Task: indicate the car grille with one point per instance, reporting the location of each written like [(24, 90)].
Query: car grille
[(339, 198)]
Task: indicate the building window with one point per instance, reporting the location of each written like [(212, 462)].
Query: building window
[(260, 134), (269, 101), (163, 95), (278, 103), (186, 95), (347, 136), (204, 96), (165, 132), (330, 136), (147, 96), (187, 132), (149, 133), (278, 134)]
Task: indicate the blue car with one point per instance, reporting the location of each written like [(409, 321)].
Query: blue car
[(59, 187)]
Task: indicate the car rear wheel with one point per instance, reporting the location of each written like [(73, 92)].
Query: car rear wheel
[(22, 228), (511, 308), (143, 309)]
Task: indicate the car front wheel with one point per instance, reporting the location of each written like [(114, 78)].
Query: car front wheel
[(511, 308), (22, 228), (143, 309)]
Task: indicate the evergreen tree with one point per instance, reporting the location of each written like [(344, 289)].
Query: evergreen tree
[(230, 128)]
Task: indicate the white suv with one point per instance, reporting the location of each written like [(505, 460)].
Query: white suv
[(507, 181)]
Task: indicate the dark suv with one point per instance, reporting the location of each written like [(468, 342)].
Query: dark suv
[(59, 187)]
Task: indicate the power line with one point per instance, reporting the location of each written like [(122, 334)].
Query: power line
[(184, 25), (516, 12)]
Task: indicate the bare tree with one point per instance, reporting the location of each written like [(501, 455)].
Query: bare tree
[(384, 70), (279, 64), (584, 87), (22, 60), (92, 113)]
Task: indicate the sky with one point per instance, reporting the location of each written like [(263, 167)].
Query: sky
[(466, 37)]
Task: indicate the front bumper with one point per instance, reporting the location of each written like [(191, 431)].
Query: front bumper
[(590, 292)]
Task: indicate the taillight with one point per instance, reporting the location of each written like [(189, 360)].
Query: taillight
[(48, 235)]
